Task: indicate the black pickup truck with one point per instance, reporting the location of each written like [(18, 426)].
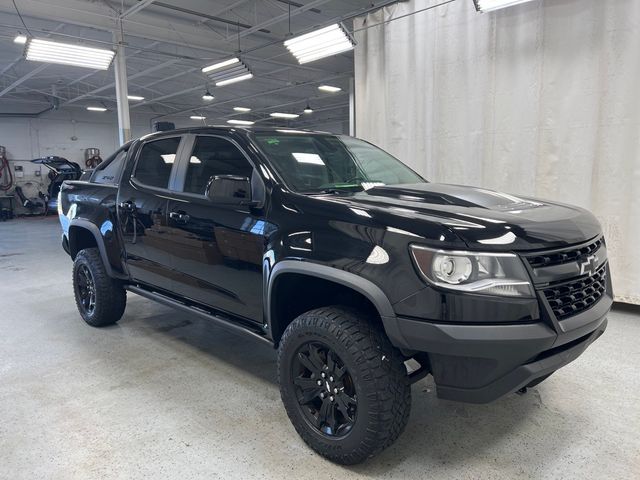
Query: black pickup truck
[(364, 276)]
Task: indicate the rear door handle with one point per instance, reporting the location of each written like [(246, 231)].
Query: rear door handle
[(179, 217)]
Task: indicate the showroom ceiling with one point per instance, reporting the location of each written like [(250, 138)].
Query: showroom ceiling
[(167, 44)]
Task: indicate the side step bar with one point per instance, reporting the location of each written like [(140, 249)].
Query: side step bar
[(165, 300)]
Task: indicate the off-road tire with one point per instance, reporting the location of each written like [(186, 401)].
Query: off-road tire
[(110, 296), (379, 377)]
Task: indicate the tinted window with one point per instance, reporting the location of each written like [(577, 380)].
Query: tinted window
[(312, 162), (155, 162), (110, 172), (214, 156)]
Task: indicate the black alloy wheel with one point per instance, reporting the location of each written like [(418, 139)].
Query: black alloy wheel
[(343, 384), (86, 289), (324, 389), (101, 300)]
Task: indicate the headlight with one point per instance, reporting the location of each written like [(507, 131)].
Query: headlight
[(474, 272)]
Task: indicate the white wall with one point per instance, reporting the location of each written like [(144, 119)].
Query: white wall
[(63, 133), (539, 99)]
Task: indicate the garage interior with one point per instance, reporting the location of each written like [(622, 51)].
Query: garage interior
[(537, 99)]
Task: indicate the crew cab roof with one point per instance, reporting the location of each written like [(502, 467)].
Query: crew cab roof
[(229, 129)]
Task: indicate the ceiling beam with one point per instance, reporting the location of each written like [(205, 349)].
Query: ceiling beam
[(282, 17), (259, 94), (24, 78), (264, 78), (296, 4), (113, 84), (207, 16), (176, 75), (169, 95), (43, 92), (31, 100), (136, 8), (226, 9)]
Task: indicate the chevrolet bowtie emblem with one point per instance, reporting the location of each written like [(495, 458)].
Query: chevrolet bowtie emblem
[(589, 266)]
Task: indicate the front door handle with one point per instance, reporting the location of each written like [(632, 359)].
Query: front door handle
[(127, 206), (179, 217)]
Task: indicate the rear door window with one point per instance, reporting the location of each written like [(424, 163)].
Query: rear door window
[(155, 162)]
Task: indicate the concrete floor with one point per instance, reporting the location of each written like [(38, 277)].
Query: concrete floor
[(165, 395)]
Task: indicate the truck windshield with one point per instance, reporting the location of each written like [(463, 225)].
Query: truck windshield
[(318, 163)]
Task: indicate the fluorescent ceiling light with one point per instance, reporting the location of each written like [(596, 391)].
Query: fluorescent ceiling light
[(329, 88), (21, 39), (136, 98), (218, 66), (68, 54), (207, 97), (240, 122), (222, 83), (228, 71), (312, 158), (319, 44), (96, 109), (284, 115), (490, 5), (308, 109), (242, 109), (197, 117)]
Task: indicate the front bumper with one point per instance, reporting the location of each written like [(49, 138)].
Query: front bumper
[(480, 363)]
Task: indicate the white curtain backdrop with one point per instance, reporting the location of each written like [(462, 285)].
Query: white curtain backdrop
[(540, 99)]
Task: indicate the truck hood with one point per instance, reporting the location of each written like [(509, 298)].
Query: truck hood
[(482, 219)]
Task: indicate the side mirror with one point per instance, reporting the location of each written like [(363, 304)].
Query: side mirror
[(229, 189)]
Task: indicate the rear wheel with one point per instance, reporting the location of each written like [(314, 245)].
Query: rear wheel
[(101, 300), (343, 385)]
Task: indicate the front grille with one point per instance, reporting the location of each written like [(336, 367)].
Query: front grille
[(564, 256), (575, 296)]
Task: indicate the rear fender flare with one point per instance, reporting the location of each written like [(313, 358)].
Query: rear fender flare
[(97, 235)]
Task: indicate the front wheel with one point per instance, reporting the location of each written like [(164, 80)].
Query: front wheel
[(101, 300), (343, 385)]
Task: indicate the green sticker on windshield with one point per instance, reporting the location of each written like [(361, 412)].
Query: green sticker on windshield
[(273, 141)]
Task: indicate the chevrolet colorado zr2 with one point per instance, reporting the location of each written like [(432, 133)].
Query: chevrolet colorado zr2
[(347, 262)]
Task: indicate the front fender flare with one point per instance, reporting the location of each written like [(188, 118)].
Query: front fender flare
[(361, 285)]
